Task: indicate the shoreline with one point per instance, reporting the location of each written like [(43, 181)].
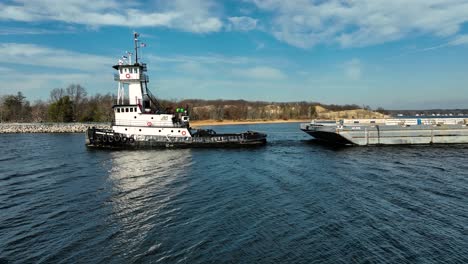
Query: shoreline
[(27, 128)]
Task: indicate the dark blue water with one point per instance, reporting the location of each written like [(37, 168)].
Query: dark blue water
[(293, 201)]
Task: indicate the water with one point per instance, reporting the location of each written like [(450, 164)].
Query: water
[(292, 201)]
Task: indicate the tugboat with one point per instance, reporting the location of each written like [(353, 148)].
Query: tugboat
[(141, 122)]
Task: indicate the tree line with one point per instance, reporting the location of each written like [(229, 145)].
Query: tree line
[(70, 104), (73, 104)]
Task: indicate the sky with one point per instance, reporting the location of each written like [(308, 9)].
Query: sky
[(399, 54)]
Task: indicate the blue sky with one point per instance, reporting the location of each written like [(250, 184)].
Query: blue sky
[(399, 54)]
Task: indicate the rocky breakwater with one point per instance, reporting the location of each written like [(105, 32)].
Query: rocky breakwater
[(49, 127)]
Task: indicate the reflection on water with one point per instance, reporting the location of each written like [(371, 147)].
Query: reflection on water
[(134, 170), (143, 184), (292, 201)]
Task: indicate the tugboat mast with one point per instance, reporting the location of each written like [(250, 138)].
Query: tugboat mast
[(136, 35)]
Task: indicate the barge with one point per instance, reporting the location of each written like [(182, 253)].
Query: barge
[(141, 122), (398, 131)]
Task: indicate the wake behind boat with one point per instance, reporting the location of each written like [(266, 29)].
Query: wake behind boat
[(140, 121)]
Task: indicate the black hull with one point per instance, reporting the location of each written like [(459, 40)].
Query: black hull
[(107, 139)]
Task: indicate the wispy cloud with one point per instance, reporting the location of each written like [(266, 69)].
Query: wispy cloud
[(456, 41), (260, 72), (205, 59), (38, 85), (242, 23), (5, 69), (259, 45), (353, 69), (188, 15), (30, 31), (359, 23), (459, 40), (193, 68), (31, 54)]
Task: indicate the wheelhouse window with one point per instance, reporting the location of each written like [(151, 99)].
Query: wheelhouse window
[(131, 109), (126, 109)]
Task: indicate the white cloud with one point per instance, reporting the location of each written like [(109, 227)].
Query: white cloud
[(260, 72), (207, 59), (31, 54), (260, 46), (242, 23), (456, 41), (459, 40), (52, 68), (58, 68), (38, 85), (305, 23), (30, 31), (5, 70), (352, 69), (193, 67), (194, 16)]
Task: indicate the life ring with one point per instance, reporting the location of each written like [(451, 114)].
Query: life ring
[(183, 133), (149, 124), (127, 75)]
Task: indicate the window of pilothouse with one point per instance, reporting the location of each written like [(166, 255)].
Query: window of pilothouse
[(126, 109), (131, 109)]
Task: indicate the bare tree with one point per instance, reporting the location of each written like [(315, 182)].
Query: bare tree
[(77, 94), (56, 94)]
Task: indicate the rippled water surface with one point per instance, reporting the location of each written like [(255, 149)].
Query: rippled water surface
[(292, 201)]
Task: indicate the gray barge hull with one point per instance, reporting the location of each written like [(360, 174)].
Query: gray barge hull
[(364, 135)]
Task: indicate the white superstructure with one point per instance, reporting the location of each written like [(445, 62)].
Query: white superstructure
[(137, 112)]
